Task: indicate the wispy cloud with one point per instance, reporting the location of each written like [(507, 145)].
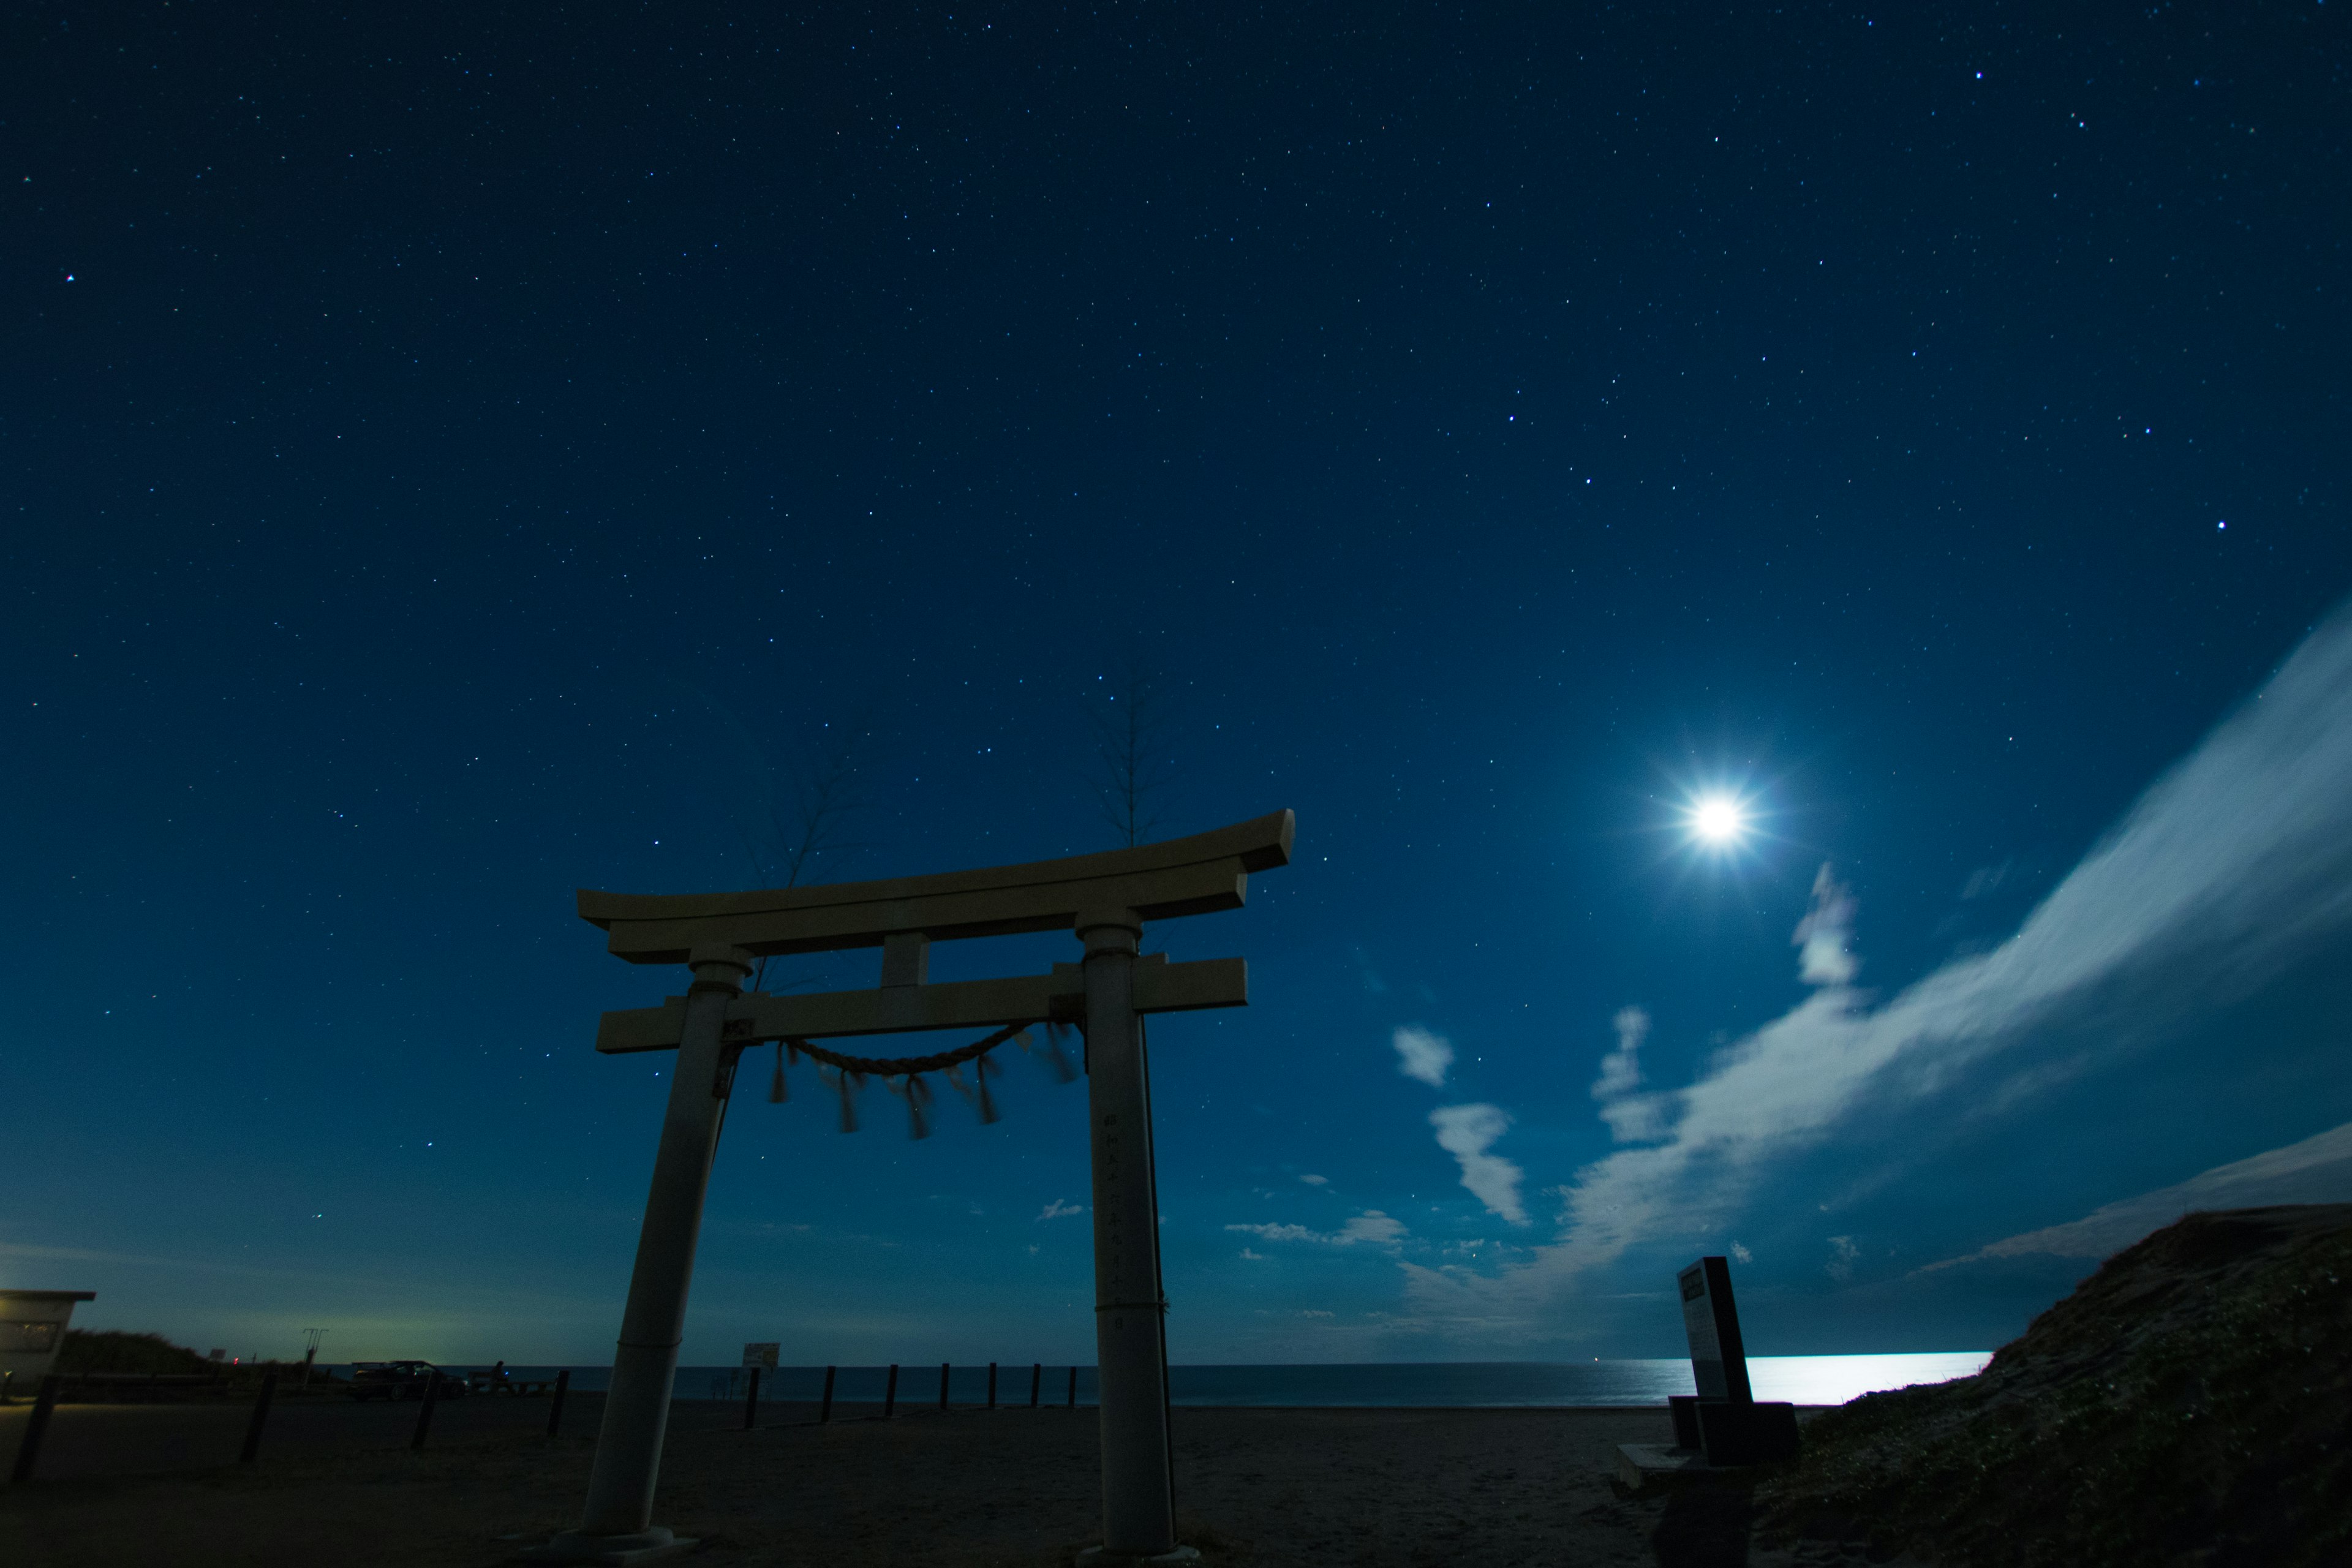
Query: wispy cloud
[(1986, 880), (1313, 1180), (363, 1280), (176, 1265), (1842, 1252), (1466, 1132), (1620, 1070), (1372, 1227), (1058, 1209), (1422, 1055), (1824, 937), (2235, 863), (2316, 1171), (1632, 1118)]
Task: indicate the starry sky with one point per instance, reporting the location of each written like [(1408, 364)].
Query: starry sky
[(451, 457)]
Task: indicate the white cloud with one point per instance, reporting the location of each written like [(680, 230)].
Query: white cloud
[(1057, 1209), (1253, 1256), (1422, 1055), (1372, 1227), (1632, 1118), (1842, 1252), (1620, 1070), (1986, 880), (1640, 1119), (2235, 863), (1466, 1132), (1741, 1254), (1824, 957), (2316, 1171), (1317, 1180)]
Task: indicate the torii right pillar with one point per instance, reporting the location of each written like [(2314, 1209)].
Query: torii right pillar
[(1130, 1307)]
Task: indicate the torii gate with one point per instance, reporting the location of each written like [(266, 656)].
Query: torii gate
[(1103, 899)]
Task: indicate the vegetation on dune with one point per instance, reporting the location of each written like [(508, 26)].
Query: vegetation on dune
[(112, 1350), (2191, 1401)]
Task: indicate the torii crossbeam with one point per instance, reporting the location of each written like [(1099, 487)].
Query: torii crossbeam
[(1103, 899)]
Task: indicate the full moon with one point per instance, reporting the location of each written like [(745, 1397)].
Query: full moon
[(1717, 819)]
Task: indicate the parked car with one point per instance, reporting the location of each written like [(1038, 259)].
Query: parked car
[(403, 1380)]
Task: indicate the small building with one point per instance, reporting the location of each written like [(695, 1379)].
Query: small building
[(32, 1331)]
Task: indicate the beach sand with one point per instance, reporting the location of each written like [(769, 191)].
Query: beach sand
[(1008, 1486)]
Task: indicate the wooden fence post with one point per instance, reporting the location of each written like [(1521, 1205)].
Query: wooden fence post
[(424, 1412), (37, 1426), (825, 1411), (890, 1394), (260, 1414), (943, 1388), (1037, 1380), (992, 1385), (751, 1401), (555, 1408)]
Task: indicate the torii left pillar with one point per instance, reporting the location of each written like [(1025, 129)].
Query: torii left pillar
[(618, 1527)]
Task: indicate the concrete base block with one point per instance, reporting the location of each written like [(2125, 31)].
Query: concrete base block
[(1745, 1434), (1096, 1557), (1643, 1464), (650, 1545), (1761, 1434)]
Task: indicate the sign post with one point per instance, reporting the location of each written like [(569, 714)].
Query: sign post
[(1724, 1419)]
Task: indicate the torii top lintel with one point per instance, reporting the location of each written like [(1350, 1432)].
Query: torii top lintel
[(1194, 876)]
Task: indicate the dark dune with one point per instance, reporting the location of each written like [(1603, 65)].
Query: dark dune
[(2190, 1402)]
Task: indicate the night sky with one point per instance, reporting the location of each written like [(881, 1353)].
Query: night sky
[(451, 457)]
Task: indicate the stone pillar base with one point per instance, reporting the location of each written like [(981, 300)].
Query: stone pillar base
[(1098, 1557), (649, 1545)]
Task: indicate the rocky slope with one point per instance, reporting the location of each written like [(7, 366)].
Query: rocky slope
[(2189, 1403)]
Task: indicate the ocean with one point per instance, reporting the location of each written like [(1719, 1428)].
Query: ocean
[(1800, 1379)]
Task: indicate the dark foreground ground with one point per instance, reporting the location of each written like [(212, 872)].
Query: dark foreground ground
[(337, 1483)]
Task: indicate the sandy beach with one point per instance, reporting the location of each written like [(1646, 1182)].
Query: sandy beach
[(1011, 1487)]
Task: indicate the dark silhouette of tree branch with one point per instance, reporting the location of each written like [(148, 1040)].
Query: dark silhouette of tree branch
[(1132, 729), (805, 839)]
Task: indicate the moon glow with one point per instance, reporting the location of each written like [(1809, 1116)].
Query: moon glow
[(1716, 819)]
